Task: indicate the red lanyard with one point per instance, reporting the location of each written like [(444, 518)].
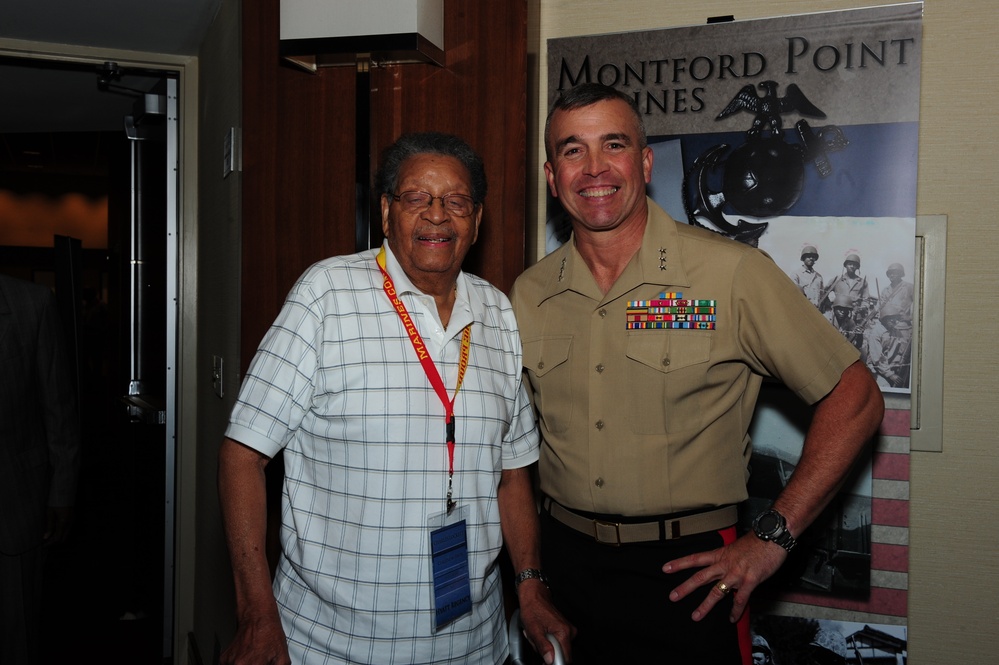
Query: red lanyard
[(431, 369)]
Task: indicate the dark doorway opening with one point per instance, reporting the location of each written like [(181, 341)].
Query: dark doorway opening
[(105, 587)]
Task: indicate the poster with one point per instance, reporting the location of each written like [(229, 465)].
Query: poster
[(798, 135)]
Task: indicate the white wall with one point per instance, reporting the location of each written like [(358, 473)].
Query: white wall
[(953, 608)]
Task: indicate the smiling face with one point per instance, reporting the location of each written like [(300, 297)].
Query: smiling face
[(597, 166), (431, 244)]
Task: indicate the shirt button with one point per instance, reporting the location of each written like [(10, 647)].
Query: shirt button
[(600, 424), (600, 367), (541, 365), (603, 313), (666, 361), (599, 482)]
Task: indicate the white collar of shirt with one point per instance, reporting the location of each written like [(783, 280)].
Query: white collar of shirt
[(423, 308)]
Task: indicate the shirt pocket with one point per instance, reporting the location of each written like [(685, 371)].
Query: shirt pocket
[(666, 371), (550, 372)]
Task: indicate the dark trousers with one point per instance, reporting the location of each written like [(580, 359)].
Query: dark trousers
[(618, 599), (20, 607)]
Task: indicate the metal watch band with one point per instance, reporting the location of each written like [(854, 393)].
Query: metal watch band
[(530, 574), (785, 540)]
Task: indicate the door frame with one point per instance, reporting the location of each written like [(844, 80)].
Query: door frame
[(177, 626)]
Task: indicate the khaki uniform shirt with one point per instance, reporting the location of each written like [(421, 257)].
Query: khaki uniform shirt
[(649, 422)]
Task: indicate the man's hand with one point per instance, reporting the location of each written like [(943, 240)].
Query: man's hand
[(539, 617), (843, 422), (258, 641), (519, 521), (741, 567)]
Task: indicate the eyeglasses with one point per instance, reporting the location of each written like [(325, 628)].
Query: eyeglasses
[(453, 204)]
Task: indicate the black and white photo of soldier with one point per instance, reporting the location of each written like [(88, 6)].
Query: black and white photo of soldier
[(868, 298), (850, 319), (889, 340), (762, 653), (808, 279), (850, 283)]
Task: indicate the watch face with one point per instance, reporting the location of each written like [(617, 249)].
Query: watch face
[(767, 523), (770, 525)]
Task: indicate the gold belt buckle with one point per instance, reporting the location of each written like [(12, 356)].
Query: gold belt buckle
[(616, 526)]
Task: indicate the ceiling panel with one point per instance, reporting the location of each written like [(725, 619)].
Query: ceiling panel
[(53, 112)]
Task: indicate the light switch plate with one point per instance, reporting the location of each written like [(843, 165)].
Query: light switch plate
[(217, 374)]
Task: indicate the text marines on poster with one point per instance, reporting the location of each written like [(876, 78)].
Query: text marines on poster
[(808, 116), (797, 134)]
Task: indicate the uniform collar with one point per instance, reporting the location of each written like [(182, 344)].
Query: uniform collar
[(658, 262)]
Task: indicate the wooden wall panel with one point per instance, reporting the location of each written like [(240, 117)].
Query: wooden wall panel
[(299, 145), (298, 170), (480, 95)]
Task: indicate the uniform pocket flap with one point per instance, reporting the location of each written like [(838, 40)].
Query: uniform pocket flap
[(543, 355), (668, 352)]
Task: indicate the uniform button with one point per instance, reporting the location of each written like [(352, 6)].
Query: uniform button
[(541, 365), (666, 361), (600, 424), (599, 482), (603, 313), (600, 368)]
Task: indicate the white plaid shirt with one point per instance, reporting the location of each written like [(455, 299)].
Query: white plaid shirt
[(335, 383)]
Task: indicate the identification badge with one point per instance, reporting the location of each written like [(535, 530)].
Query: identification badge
[(449, 565)]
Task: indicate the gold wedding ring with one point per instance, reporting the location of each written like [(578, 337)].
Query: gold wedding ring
[(724, 588)]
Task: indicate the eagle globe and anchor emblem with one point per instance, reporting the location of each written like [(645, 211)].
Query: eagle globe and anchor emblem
[(764, 176)]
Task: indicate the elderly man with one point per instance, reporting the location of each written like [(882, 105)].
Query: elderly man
[(645, 344), (391, 380)]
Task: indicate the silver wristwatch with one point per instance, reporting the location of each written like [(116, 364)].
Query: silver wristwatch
[(530, 574)]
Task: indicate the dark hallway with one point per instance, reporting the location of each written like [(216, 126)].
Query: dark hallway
[(104, 586)]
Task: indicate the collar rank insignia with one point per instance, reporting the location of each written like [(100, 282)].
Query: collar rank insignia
[(671, 311)]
